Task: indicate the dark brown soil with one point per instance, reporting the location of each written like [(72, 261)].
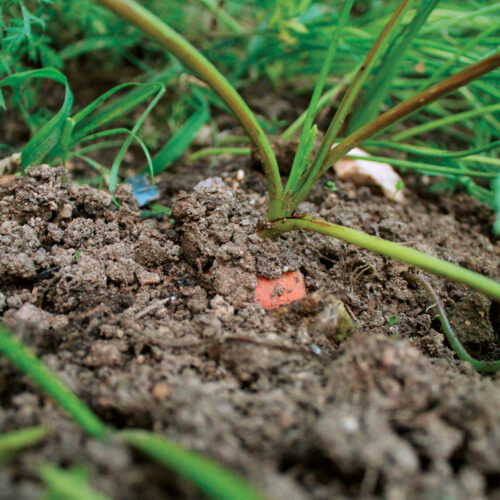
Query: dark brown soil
[(154, 326)]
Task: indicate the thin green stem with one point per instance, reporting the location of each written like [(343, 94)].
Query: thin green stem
[(396, 114), (308, 132), (447, 120), (396, 251), (427, 167), (353, 91), (194, 60), (451, 336), (436, 153), (223, 16), (369, 104), (27, 362), (13, 441), (219, 151), (329, 96), (215, 481)]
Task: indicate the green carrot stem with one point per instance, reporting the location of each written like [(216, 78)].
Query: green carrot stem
[(447, 120), (411, 105), (353, 91), (194, 60), (396, 251), (394, 115)]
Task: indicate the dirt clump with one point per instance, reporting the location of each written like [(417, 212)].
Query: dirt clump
[(154, 325)]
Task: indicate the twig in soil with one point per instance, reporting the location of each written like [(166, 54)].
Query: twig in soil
[(451, 336), (239, 338), (152, 308)]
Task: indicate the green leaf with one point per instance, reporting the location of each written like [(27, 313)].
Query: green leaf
[(379, 84), (308, 134), (68, 484), (114, 110), (496, 205), (48, 137), (93, 44), (181, 140), (218, 483), (113, 178), (11, 442)]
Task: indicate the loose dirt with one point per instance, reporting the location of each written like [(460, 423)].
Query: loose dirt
[(154, 325)]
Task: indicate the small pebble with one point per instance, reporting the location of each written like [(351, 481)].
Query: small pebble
[(160, 391)]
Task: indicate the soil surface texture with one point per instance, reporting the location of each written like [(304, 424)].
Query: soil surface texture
[(154, 325)]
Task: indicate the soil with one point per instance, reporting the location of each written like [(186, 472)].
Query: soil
[(154, 325)]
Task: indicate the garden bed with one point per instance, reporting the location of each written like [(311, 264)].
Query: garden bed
[(154, 325)]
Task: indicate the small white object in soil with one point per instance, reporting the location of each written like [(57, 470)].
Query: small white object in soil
[(315, 349), (350, 424), (210, 183), (366, 172)]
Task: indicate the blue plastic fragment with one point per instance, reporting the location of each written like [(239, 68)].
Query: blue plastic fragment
[(144, 192)]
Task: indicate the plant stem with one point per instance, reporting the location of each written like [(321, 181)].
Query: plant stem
[(194, 60), (451, 336), (397, 113), (396, 251), (308, 134), (353, 91), (327, 97), (219, 151), (426, 168), (410, 106), (369, 105), (447, 120)]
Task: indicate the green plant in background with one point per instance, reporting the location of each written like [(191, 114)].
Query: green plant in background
[(67, 135), (216, 482), (308, 167)]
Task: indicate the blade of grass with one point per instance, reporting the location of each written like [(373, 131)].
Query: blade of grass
[(354, 89), (68, 484), (93, 44), (120, 107), (203, 153), (369, 104), (181, 140), (308, 133), (426, 168), (49, 135), (447, 120), (404, 254), (433, 152), (131, 135), (11, 442), (28, 363), (98, 167), (223, 16), (218, 483), (113, 178), (467, 48)]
